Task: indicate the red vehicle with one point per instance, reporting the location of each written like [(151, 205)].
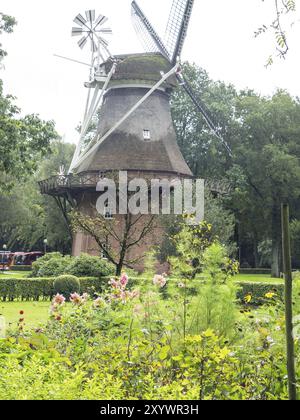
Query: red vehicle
[(8, 259), (25, 258), (5, 260)]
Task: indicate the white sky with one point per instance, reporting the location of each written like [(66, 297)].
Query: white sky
[(221, 40)]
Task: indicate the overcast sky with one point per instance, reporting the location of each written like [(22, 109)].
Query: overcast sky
[(221, 40)]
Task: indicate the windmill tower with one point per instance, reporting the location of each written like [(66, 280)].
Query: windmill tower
[(129, 97)]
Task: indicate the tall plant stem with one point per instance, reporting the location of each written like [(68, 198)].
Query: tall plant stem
[(286, 245)]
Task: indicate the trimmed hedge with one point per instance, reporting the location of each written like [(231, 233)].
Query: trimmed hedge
[(20, 268), (65, 285), (256, 271), (43, 288), (258, 291)]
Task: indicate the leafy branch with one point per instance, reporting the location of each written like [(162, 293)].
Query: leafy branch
[(278, 27)]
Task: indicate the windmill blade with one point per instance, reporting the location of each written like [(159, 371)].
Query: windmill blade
[(83, 41), (90, 15), (80, 20), (101, 20), (177, 27), (106, 31), (149, 37), (203, 110), (77, 31)]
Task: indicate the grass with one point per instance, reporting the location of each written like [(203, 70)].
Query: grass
[(35, 313), (257, 278), (14, 274)]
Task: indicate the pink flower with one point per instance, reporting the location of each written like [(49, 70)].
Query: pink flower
[(124, 280), (76, 299), (159, 280), (59, 300)]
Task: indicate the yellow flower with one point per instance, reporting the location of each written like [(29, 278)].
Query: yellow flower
[(248, 298), (270, 295)]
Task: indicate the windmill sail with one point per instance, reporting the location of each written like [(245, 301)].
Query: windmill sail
[(176, 33), (203, 110), (177, 27), (147, 34)]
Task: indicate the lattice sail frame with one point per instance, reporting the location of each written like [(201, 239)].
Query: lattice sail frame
[(177, 26), (176, 33)]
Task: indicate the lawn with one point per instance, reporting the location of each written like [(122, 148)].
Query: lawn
[(257, 278), (14, 274), (35, 313)]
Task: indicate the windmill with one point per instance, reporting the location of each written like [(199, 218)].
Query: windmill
[(172, 47), (130, 95)]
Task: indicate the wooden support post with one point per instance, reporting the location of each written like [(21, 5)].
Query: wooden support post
[(286, 245)]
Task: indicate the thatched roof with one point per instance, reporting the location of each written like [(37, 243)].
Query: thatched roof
[(136, 68), (126, 148)]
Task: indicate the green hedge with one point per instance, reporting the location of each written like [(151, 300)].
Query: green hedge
[(256, 271), (43, 289), (258, 291), (21, 268)]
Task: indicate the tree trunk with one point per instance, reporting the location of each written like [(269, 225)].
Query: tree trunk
[(255, 252), (276, 241)]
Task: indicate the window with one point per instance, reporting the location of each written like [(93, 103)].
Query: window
[(108, 214), (147, 135)]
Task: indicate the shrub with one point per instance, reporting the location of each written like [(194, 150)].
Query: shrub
[(86, 265), (21, 268), (43, 288), (258, 291), (50, 265), (26, 289), (55, 264), (65, 285)]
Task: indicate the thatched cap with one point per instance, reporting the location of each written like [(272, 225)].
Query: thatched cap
[(143, 68), (126, 148)]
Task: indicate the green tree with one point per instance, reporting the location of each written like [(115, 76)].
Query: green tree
[(23, 140), (7, 24), (267, 155), (27, 217)]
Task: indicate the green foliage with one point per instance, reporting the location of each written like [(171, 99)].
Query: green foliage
[(7, 24), (217, 295), (66, 285), (27, 217), (50, 265), (23, 142), (55, 264), (88, 266), (257, 291), (21, 268), (28, 289), (80, 357)]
